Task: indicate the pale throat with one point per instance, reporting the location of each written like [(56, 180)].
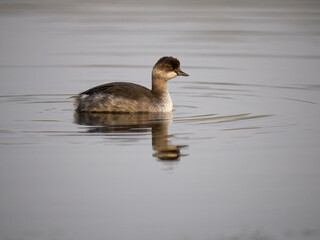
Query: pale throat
[(159, 81)]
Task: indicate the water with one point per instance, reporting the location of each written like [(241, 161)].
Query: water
[(238, 158)]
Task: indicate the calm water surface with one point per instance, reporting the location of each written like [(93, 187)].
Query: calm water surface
[(238, 159)]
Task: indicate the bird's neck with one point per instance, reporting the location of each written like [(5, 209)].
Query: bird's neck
[(159, 86)]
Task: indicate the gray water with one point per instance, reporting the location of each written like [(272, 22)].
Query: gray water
[(238, 159)]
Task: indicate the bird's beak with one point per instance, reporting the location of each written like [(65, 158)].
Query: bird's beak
[(180, 73)]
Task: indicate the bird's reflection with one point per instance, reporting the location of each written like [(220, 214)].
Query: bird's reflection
[(158, 123)]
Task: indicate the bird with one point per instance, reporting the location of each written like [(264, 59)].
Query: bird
[(124, 97)]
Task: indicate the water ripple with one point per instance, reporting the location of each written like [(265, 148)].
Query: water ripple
[(214, 119)]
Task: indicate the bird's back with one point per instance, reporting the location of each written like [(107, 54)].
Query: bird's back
[(115, 97)]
